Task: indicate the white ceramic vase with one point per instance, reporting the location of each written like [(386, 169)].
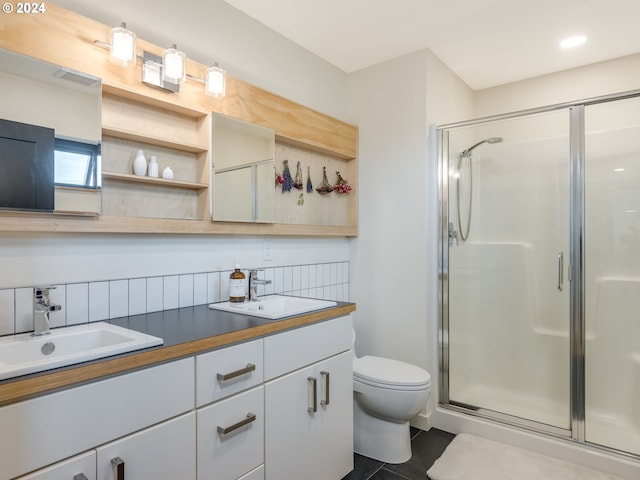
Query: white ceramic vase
[(140, 164)]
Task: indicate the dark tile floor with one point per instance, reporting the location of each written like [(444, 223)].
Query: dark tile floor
[(427, 448)]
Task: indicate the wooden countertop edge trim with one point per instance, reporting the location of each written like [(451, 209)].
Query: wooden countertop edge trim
[(27, 388)]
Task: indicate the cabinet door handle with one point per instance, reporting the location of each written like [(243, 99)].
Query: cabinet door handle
[(223, 377), (325, 400), (80, 476), (118, 468), (251, 417), (314, 403)]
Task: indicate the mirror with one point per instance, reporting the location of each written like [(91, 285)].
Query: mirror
[(37, 93), (243, 162)]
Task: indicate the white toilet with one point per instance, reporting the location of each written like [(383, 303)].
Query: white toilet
[(386, 395)]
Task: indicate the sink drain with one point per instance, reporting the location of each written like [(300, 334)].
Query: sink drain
[(48, 348)]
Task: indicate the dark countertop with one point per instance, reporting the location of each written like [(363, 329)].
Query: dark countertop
[(185, 331)]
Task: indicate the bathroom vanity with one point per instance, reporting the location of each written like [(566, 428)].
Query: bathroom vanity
[(269, 400)]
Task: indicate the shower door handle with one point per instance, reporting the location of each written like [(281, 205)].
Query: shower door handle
[(560, 270)]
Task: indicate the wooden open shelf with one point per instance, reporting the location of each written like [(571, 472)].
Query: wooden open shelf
[(126, 177), (151, 140)]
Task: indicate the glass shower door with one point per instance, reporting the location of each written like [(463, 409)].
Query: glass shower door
[(612, 274), (507, 298)]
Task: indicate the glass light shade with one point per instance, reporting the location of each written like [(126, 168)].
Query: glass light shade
[(173, 63), (216, 81), (123, 46)]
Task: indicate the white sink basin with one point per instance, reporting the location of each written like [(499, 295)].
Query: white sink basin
[(274, 307), (22, 354)]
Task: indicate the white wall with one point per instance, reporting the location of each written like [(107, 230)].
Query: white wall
[(614, 76), (393, 261)]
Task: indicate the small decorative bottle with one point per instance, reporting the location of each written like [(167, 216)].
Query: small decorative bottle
[(140, 164), (236, 284), (167, 173), (153, 167)]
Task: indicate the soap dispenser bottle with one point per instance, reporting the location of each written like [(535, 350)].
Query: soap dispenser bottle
[(236, 284)]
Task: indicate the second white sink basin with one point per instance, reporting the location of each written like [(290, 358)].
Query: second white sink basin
[(22, 354), (275, 306)]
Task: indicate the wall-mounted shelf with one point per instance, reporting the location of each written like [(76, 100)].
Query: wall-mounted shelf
[(126, 177), (151, 140)]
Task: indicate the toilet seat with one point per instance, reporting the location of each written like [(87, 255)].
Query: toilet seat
[(391, 374)]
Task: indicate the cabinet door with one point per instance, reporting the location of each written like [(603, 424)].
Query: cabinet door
[(301, 443), (80, 467), (289, 427), (334, 423), (165, 451)]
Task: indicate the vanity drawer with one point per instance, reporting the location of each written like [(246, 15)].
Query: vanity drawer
[(84, 464), (288, 351), (227, 371), (228, 456)]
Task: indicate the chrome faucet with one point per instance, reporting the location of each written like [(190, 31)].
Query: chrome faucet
[(41, 307), (254, 281)]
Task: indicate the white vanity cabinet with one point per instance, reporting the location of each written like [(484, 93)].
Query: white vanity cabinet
[(57, 426), (309, 402), (230, 417)]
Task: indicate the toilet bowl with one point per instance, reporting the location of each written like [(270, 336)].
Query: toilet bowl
[(386, 395)]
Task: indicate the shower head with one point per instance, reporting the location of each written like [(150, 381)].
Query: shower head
[(486, 140)]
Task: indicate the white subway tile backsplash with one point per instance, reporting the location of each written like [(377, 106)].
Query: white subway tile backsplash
[(58, 296), (98, 301), (137, 296), (102, 300), (24, 310), (118, 298), (287, 286), (155, 294), (213, 287), (185, 291), (7, 311), (77, 303), (199, 288), (269, 274), (171, 292), (313, 281)]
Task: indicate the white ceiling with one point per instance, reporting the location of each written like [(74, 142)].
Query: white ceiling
[(486, 42)]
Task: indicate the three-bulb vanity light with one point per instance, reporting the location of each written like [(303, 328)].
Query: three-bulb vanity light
[(165, 72)]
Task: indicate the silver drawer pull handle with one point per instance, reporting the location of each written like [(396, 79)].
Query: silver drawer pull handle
[(80, 476), (251, 417), (118, 468), (223, 377), (314, 386), (325, 400)]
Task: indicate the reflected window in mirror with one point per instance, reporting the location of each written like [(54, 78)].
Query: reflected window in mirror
[(77, 164)]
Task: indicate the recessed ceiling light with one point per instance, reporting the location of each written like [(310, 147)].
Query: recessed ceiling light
[(573, 41)]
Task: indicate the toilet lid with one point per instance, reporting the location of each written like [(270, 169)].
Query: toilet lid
[(386, 371)]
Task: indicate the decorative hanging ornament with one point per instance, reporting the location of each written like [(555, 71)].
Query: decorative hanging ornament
[(287, 185), (309, 184), (279, 178), (298, 182), (325, 187), (341, 186)]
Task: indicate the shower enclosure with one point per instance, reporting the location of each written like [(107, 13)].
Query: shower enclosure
[(540, 270)]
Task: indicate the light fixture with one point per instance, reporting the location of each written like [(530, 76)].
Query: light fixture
[(215, 81), (166, 72), (572, 42), (173, 63), (123, 46)]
